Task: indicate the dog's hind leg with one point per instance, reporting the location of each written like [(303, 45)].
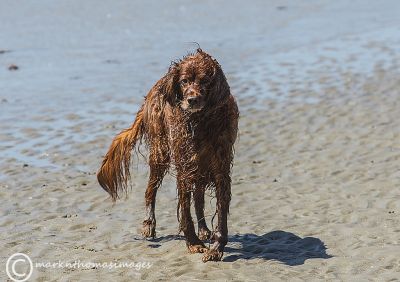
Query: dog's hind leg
[(203, 232), (157, 172)]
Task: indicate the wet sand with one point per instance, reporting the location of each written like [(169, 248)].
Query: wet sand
[(315, 180)]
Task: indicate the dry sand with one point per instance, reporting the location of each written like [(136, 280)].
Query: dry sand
[(315, 180)]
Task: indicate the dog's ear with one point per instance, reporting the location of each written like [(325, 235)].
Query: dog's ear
[(170, 86), (219, 89)]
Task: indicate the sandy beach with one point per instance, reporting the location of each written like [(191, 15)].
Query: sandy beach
[(315, 192)]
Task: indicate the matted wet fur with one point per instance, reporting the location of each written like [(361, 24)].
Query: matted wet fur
[(189, 121)]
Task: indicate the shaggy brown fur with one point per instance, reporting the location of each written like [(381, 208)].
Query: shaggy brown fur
[(189, 121)]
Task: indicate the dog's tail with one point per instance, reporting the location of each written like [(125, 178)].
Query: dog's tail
[(114, 173)]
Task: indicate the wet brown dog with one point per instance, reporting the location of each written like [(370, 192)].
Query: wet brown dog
[(189, 120)]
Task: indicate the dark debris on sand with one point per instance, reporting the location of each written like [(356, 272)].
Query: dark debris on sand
[(13, 67)]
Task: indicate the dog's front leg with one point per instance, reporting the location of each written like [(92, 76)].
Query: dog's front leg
[(220, 236), (198, 194), (194, 244)]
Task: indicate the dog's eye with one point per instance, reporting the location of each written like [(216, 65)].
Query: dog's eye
[(205, 81), (184, 81)]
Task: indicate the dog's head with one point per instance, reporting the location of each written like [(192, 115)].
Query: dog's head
[(195, 82)]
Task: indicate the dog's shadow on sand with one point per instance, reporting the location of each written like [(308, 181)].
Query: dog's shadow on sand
[(282, 246)]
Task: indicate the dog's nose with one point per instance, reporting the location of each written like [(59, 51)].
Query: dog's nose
[(192, 100)]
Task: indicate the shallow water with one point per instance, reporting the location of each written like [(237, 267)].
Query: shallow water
[(96, 60)]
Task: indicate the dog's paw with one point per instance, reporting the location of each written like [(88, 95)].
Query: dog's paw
[(212, 255), (200, 248), (204, 234), (149, 229)]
